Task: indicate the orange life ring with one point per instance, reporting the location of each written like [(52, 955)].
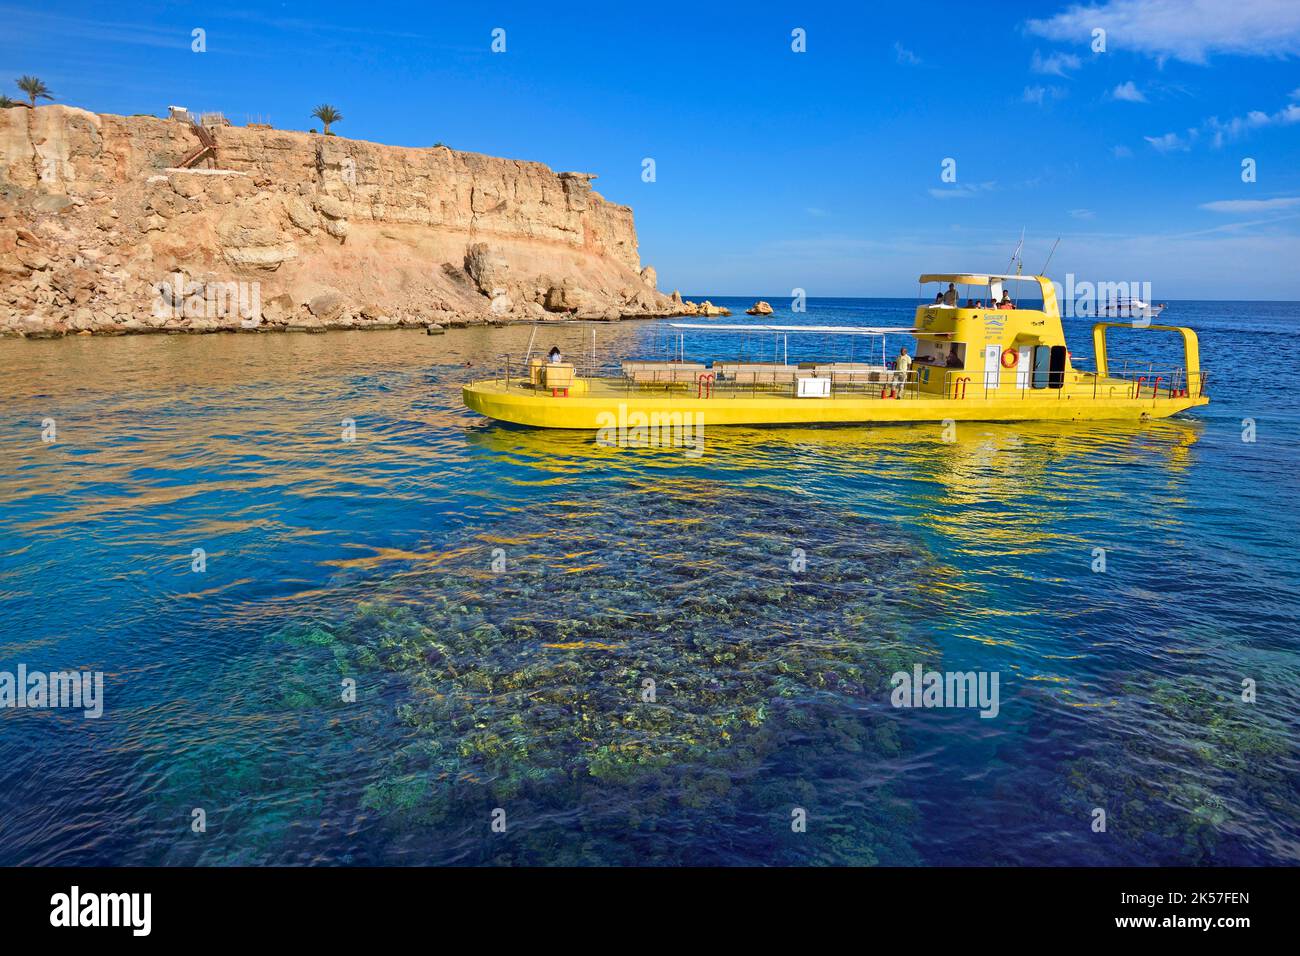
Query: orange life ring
[(1013, 355)]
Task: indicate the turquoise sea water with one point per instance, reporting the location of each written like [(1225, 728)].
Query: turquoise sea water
[(501, 597)]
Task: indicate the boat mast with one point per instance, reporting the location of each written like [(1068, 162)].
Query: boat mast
[(1043, 270)]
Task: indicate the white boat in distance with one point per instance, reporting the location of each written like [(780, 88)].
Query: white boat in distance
[(1129, 308)]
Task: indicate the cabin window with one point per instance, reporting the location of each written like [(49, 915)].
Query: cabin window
[(1049, 366), (1042, 366), (939, 353), (1056, 367)]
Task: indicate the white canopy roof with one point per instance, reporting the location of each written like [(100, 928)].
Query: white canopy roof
[(977, 278), (816, 329)]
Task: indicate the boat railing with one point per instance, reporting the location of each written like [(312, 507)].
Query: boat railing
[(1132, 370), (1137, 382), (514, 371), (721, 380), (1148, 379), (752, 380)]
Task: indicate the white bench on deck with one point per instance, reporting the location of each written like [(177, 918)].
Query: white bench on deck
[(663, 373)]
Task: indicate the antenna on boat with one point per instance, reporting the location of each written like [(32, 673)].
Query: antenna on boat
[(1043, 270), (532, 338), (1016, 259)]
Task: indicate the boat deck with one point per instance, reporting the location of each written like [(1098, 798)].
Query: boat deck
[(599, 402)]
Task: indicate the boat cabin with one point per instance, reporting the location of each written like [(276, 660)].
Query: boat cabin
[(994, 329)]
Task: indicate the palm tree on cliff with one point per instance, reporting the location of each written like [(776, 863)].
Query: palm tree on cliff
[(7, 103), (327, 114), (35, 89)]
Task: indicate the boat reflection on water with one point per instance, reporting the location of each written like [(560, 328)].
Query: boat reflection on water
[(986, 498), (972, 459)]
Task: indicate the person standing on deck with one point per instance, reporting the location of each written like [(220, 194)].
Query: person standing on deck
[(902, 365), (554, 355)]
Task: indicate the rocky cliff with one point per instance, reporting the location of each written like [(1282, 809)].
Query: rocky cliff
[(102, 232)]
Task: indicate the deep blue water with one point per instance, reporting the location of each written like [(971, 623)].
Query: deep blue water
[(520, 688)]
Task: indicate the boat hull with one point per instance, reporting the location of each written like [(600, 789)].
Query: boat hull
[(592, 410)]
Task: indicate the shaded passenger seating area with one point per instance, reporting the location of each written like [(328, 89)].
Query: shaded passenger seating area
[(755, 373), (752, 374), (858, 362), (668, 372), (851, 373)]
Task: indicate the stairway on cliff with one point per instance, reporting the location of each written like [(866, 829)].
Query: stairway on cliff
[(207, 148)]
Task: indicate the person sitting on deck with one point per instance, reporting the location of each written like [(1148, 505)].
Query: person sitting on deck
[(938, 298), (553, 356), (950, 297), (1005, 302)]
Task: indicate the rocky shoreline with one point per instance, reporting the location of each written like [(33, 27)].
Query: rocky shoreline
[(128, 326), (63, 290), (104, 231)]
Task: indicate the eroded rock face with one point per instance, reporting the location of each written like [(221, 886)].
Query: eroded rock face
[(95, 216), (560, 298), (327, 306), (489, 270)]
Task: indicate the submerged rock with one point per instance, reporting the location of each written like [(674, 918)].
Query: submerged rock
[(637, 664), (658, 675), (1206, 760)]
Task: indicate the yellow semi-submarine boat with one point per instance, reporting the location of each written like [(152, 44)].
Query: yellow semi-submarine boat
[(977, 363)]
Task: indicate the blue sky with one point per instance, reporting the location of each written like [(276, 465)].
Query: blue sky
[(776, 169)]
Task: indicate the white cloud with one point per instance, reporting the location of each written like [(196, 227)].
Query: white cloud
[(906, 56), (1172, 142), (1221, 131), (1054, 64), (1240, 125), (1236, 126), (1187, 30), (1121, 152), (1128, 92), (1251, 205), (1082, 213)]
